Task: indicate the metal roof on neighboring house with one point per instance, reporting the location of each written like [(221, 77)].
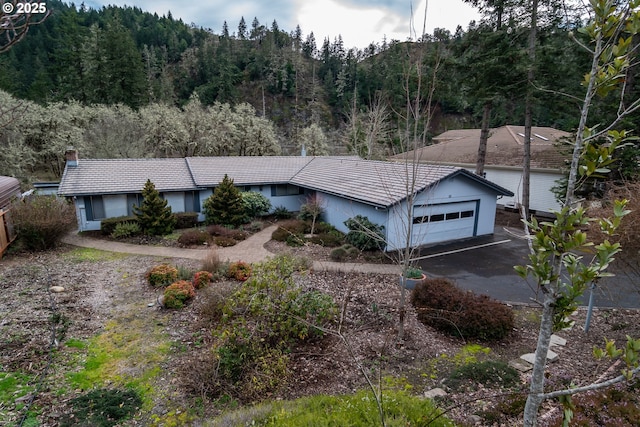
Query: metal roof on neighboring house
[(504, 148), (245, 170), (9, 189), (117, 176)]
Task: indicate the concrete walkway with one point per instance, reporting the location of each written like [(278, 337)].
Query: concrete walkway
[(251, 250)]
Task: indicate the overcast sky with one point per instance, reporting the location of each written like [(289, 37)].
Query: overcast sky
[(360, 22)]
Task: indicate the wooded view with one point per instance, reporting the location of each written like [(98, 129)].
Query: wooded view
[(256, 89)]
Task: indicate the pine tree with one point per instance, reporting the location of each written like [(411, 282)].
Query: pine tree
[(154, 215), (225, 206)]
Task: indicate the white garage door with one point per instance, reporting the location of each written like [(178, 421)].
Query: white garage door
[(443, 222)]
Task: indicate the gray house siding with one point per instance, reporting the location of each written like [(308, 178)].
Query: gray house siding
[(338, 210)]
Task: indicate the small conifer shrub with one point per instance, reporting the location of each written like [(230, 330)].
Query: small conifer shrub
[(162, 275), (154, 214), (177, 294)]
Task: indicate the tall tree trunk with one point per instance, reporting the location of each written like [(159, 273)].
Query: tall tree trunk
[(484, 137), (528, 116), (534, 400)]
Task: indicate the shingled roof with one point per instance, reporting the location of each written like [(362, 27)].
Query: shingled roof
[(504, 148), (209, 171), (373, 182), (118, 176)]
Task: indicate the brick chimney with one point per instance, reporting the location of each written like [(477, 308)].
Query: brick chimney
[(71, 156)]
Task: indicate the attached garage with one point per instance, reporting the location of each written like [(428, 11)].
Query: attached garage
[(448, 203)]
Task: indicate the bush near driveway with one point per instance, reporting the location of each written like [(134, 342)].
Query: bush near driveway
[(442, 305)]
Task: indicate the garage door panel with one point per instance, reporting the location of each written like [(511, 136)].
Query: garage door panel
[(442, 222)]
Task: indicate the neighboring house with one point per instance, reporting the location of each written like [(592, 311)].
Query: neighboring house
[(450, 204), (9, 190), (503, 163)]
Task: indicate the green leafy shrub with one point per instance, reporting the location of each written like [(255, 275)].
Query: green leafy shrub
[(126, 229), (239, 270), (202, 279), (221, 231), (194, 238), (622, 403), (292, 232), (488, 373), (186, 219), (260, 321), (162, 275), (281, 212), (225, 205), (353, 410), (255, 204), (330, 239), (178, 293), (344, 253), (102, 408), (41, 221), (442, 305), (108, 225), (154, 214), (364, 234)]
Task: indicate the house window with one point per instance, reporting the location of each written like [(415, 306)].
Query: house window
[(452, 215), (436, 218), (192, 201), (420, 219), (286, 190), (133, 200), (94, 207), (466, 214)]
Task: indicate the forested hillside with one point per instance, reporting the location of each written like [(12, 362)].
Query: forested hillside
[(120, 82)]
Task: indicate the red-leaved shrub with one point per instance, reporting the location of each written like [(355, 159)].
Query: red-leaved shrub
[(178, 293), (239, 270), (202, 279), (442, 305)]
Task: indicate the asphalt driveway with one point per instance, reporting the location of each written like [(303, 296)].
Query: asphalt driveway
[(485, 265)]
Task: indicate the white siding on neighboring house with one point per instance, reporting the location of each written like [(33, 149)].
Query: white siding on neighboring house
[(541, 199)]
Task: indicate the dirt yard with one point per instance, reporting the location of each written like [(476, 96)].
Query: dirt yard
[(106, 329)]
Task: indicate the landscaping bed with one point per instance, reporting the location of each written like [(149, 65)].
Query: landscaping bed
[(110, 333)]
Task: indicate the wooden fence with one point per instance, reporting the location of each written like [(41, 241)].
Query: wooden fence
[(7, 234)]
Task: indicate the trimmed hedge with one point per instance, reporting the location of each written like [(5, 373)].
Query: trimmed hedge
[(186, 219), (442, 305), (108, 225)]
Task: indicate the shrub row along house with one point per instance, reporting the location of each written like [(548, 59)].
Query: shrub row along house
[(450, 203)]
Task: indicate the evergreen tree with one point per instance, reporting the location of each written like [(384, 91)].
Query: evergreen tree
[(225, 206), (154, 215)]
